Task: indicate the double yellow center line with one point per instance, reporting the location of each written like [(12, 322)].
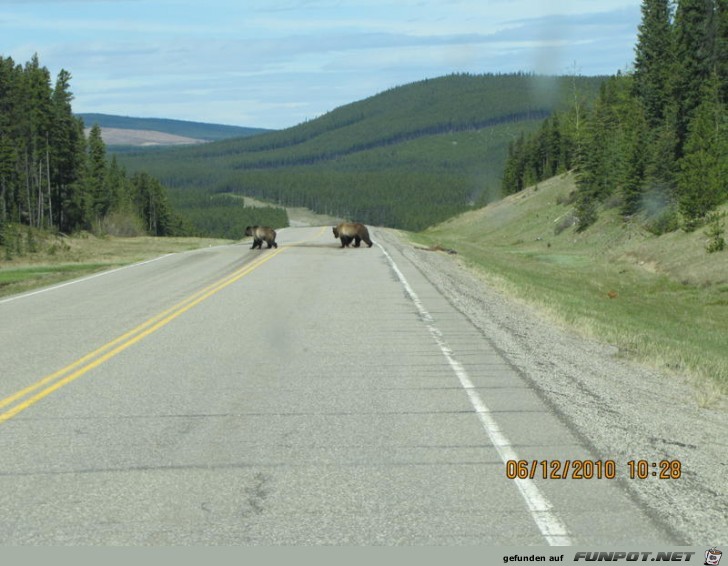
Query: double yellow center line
[(18, 402)]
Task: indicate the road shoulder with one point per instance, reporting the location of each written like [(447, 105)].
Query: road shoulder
[(623, 410)]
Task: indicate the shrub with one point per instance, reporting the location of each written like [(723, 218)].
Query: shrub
[(715, 231), (121, 225), (666, 221)]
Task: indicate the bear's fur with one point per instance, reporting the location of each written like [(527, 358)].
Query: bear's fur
[(352, 231), (261, 234)]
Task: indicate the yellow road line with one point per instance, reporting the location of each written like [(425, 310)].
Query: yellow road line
[(118, 345), (318, 235)]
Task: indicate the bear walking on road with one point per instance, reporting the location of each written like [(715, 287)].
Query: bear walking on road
[(352, 231), (261, 234)]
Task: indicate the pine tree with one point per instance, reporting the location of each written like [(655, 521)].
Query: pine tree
[(721, 47), (703, 177), (34, 119), (555, 155), (695, 52), (7, 168), (98, 190), (633, 186), (661, 167), (654, 59), (10, 80), (151, 201), (67, 148), (513, 181), (600, 160)]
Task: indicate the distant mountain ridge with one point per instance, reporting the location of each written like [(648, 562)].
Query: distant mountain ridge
[(140, 132)]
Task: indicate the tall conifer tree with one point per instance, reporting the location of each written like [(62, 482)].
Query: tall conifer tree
[(703, 177), (654, 59), (695, 51), (67, 147), (96, 174), (721, 47)]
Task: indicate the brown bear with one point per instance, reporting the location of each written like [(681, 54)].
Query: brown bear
[(352, 231), (261, 234)]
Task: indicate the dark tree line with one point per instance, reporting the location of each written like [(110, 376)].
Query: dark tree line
[(656, 139), (548, 152), (224, 215), (54, 176)]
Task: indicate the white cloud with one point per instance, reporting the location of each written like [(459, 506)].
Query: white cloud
[(273, 63)]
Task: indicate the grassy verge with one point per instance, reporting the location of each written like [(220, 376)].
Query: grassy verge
[(53, 259), (660, 300)]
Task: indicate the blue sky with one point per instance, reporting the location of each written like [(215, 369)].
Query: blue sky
[(276, 63)]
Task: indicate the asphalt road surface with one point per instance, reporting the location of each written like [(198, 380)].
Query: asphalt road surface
[(305, 395)]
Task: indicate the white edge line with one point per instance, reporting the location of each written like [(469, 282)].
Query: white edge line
[(551, 527), (74, 281)]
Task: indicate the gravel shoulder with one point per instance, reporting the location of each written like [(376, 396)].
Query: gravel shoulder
[(622, 410)]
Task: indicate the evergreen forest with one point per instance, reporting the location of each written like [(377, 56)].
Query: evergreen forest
[(655, 141), (54, 177)]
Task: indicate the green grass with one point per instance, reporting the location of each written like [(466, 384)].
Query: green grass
[(21, 279), (660, 300), (56, 259), (9, 276)]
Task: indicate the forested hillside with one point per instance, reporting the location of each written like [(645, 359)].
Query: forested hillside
[(655, 142), (408, 157)]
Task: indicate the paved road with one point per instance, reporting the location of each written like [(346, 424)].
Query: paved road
[(306, 395)]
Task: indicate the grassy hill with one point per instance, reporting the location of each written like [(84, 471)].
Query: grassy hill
[(408, 157), (662, 300)]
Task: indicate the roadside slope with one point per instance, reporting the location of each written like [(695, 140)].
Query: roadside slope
[(615, 282)]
